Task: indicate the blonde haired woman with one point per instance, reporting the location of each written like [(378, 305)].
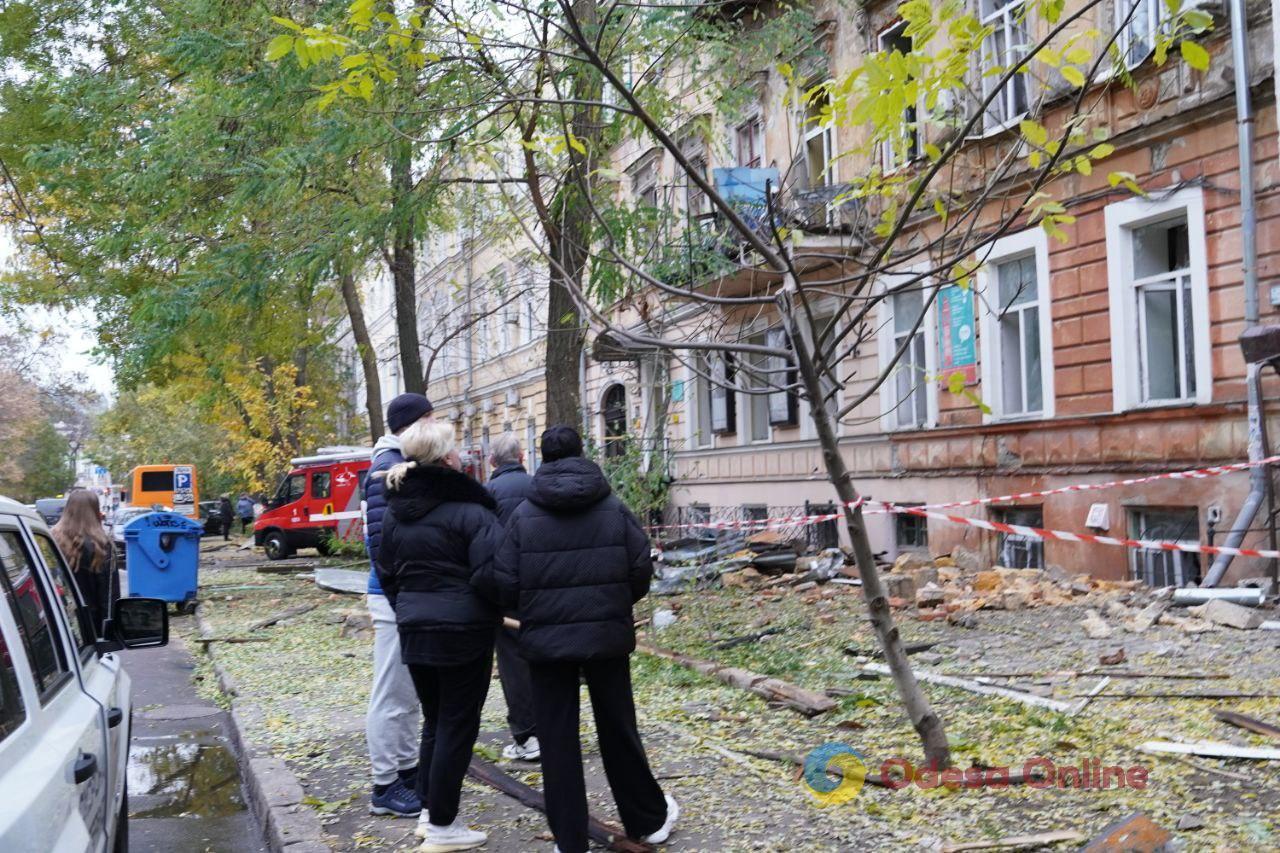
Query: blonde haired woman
[(439, 529), (83, 542)]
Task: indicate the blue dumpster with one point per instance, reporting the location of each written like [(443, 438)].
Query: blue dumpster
[(162, 553)]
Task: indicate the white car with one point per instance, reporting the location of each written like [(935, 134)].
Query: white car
[(64, 699)]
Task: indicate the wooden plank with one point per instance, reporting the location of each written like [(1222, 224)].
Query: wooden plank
[(982, 689), (1250, 723), (288, 613), (1211, 749), (602, 833), (807, 702), (1039, 839)]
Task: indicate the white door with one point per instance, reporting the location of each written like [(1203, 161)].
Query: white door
[(53, 766), (102, 677)]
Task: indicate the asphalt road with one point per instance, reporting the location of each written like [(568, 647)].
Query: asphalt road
[(185, 787)]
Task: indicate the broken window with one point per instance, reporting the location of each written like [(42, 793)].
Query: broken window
[(911, 531), (1157, 567), (1020, 550)]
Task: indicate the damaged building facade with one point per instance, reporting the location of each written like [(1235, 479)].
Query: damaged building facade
[(1113, 353)]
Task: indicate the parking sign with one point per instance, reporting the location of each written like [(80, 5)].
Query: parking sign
[(182, 478)]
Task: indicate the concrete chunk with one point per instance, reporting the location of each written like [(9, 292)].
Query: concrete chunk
[(1233, 615)]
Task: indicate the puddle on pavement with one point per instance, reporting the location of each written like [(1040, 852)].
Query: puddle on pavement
[(188, 779)]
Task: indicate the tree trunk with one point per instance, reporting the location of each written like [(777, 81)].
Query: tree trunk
[(403, 274), (567, 241), (368, 359), (928, 724)]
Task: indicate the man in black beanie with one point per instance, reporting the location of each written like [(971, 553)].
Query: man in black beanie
[(572, 563), (392, 726)]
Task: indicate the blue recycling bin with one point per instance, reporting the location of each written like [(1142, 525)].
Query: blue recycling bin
[(162, 554)]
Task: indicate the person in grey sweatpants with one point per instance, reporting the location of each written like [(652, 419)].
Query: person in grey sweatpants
[(393, 725)]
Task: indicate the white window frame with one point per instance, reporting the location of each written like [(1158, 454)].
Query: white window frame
[(823, 311), (1004, 17), (885, 348), (1148, 25), (1121, 219), (1032, 241), (747, 402), (697, 395), (888, 157)]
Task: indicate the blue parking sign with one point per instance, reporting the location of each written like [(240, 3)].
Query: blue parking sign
[(181, 479)]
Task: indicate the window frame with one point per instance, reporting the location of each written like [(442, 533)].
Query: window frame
[(698, 395), (910, 125), (86, 644), (1124, 42), (885, 348), (23, 677), (49, 691), (754, 123), (1122, 219), (316, 476), (1137, 523), (1013, 247), (1005, 18), (747, 412), (1004, 515)]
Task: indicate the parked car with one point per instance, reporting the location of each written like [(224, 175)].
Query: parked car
[(50, 509), (65, 698), (211, 517)]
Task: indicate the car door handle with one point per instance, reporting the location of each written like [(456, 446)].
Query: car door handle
[(86, 765), (114, 716)]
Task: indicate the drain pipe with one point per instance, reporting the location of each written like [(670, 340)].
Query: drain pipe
[(1259, 477)]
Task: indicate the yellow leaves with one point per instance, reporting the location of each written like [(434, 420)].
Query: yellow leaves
[(1072, 75), (1194, 55), (1127, 180), (1033, 132), (279, 47), (1102, 150)]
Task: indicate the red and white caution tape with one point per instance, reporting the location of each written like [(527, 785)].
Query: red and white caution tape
[(1065, 536), (1193, 474), (762, 523)]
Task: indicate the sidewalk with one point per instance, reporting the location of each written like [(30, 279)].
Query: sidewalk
[(185, 787)]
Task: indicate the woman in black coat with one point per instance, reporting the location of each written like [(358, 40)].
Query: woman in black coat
[(439, 529)]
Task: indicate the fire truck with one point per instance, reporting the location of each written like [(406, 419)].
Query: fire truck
[(318, 501)]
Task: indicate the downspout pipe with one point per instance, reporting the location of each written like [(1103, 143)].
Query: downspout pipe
[(1259, 476)]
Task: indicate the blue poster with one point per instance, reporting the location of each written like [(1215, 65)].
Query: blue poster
[(957, 338)]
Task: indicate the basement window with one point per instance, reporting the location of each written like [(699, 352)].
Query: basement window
[(1019, 550), (1157, 567), (911, 531)]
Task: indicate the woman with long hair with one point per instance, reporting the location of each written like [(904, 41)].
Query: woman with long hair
[(83, 541), (440, 528)]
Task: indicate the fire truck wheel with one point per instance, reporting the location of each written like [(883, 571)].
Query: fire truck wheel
[(276, 545)]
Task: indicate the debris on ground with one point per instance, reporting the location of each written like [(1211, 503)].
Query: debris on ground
[(1212, 749), (288, 613), (805, 701), (1011, 842), (1136, 833), (1246, 722), (1222, 612), (343, 580)]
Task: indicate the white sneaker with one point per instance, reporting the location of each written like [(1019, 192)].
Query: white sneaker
[(673, 814), (423, 821), (530, 750), (456, 836)]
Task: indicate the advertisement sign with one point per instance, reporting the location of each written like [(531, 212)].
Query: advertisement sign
[(957, 337)]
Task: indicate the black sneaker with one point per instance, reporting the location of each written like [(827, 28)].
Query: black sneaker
[(396, 800)]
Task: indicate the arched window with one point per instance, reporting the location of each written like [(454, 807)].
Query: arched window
[(614, 412)]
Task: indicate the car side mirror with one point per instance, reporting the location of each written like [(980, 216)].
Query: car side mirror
[(140, 623)]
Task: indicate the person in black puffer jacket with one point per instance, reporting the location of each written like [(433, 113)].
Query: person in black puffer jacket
[(572, 563), (510, 485), (439, 530)]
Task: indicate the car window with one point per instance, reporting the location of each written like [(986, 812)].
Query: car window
[(295, 488), (12, 710), (35, 621), (82, 630), (320, 485)]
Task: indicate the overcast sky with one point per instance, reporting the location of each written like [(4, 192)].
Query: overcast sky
[(77, 328)]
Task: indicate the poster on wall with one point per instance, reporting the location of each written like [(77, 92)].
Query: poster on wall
[(957, 338)]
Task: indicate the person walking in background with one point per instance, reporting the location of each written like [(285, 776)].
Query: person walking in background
[(83, 541), (438, 531), (225, 512), (392, 724), (244, 509), (510, 484), (572, 563)]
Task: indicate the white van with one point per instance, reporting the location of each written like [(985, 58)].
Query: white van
[(64, 699)]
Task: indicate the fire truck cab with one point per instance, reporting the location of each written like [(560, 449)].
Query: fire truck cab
[(318, 501)]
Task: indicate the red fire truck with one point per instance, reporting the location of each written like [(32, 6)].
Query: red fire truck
[(317, 502)]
